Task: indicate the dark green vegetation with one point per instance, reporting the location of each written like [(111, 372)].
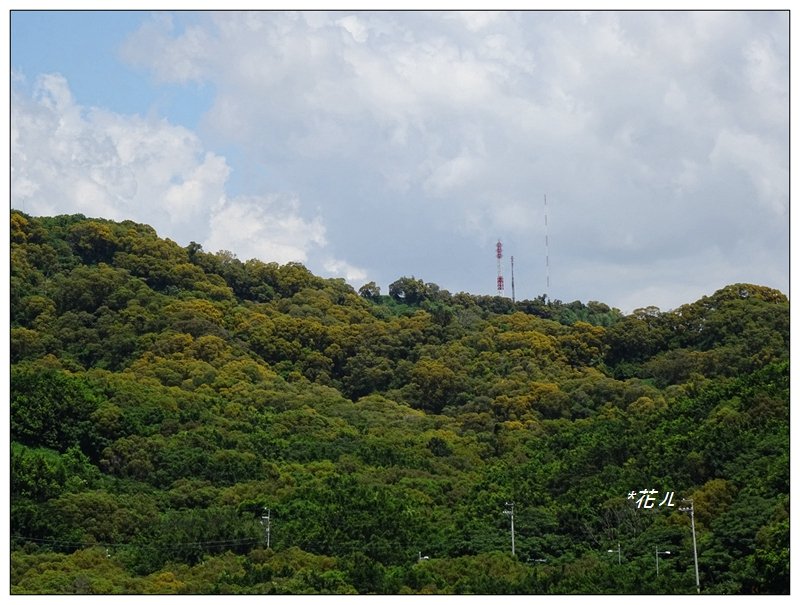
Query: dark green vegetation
[(162, 397)]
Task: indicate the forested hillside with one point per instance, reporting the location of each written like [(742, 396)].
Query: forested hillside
[(173, 408)]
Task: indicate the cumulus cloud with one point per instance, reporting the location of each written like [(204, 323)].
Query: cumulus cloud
[(181, 62), (60, 163), (345, 269), (265, 228), (67, 158)]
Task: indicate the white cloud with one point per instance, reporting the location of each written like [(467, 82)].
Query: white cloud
[(264, 228), (72, 159), (475, 20), (201, 185), (651, 132), (454, 174), (353, 275), (760, 161), (629, 120), (182, 62), (68, 158), (355, 27)]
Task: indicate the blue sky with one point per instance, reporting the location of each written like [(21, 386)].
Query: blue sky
[(84, 47), (373, 145)]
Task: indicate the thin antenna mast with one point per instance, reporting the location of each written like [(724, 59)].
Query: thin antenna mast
[(513, 298), (546, 246)]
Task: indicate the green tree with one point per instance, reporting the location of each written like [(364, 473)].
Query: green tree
[(370, 291), (51, 408), (409, 290)]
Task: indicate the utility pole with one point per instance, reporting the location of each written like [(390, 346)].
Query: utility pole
[(266, 522), (690, 510), (510, 511), (660, 552)]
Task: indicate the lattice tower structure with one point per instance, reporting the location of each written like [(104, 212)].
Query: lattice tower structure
[(500, 284)]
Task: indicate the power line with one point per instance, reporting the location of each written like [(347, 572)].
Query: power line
[(85, 544), (352, 545)]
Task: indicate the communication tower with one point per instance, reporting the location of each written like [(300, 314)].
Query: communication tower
[(513, 297), (500, 285)]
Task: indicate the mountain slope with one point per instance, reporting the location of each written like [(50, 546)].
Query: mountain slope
[(163, 397)]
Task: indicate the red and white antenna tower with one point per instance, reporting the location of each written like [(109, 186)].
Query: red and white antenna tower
[(500, 286)]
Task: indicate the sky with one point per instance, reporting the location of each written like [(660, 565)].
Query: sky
[(375, 145)]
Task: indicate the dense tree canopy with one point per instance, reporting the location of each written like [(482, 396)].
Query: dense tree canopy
[(165, 399)]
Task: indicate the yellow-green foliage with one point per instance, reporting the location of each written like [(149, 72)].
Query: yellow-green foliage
[(166, 401)]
